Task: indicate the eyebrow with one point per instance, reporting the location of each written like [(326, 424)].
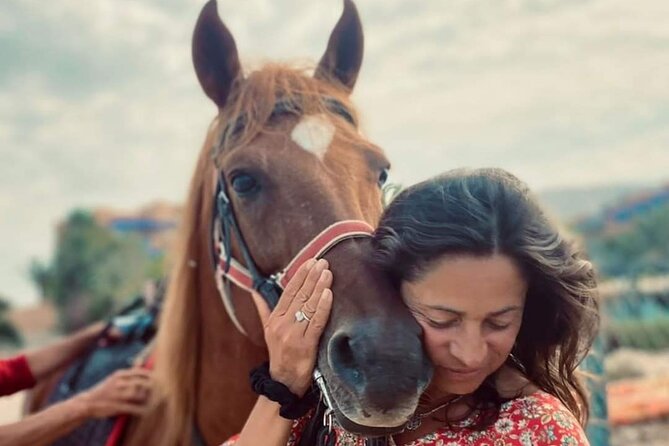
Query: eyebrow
[(504, 310)]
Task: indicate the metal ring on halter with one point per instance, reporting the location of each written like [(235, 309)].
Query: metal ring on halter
[(301, 316)]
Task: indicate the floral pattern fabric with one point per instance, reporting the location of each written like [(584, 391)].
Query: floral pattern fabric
[(539, 419)]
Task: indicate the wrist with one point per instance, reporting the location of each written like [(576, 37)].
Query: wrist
[(295, 384), (80, 406), (294, 402)]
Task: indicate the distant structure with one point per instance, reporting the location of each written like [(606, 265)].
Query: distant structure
[(618, 217), (636, 205), (155, 223)]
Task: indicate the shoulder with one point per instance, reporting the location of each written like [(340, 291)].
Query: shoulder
[(540, 418)]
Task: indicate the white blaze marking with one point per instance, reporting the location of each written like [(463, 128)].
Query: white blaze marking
[(314, 134)]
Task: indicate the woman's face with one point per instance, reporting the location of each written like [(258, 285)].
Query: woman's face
[(470, 309)]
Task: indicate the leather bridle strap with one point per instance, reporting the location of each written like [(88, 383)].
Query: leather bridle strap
[(236, 273), (324, 242), (316, 248), (248, 277)]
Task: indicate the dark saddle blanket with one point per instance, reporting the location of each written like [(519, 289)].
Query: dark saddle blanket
[(137, 324)]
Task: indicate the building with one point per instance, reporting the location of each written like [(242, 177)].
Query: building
[(155, 223)]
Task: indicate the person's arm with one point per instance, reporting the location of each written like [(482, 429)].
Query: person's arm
[(125, 391), (265, 426), (44, 360), (292, 348), (45, 427)]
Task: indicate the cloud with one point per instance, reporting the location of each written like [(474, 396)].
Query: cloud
[(99, 103)]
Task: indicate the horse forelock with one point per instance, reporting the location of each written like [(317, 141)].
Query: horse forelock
[(252, 104)]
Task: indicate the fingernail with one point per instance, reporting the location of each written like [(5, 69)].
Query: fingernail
[(323, 263), (311, 263)]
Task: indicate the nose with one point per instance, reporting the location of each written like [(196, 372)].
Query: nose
[(470, 349), (370, 360)]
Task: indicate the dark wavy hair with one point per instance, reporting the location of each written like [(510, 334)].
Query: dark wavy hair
[(489, 211)]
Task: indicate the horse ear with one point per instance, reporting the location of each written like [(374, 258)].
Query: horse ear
[(214, 55), (343, 57)]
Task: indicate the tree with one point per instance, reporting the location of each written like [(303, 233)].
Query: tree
[(643, 248), (92, 270), (9, 335)]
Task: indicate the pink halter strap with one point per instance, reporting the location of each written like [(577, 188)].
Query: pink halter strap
[(316, 248)]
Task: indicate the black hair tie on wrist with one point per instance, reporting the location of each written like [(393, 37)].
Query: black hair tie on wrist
[(292, 406)]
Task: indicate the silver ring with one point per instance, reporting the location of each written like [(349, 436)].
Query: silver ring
[(301, 316)]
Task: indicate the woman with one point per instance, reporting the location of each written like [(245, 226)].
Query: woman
[(507, 307)]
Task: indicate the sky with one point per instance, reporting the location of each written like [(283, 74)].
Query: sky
[(99, 104)]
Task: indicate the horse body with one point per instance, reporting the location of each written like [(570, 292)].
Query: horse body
[(285, 188)]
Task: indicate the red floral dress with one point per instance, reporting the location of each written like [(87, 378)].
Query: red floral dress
[(539, 419)]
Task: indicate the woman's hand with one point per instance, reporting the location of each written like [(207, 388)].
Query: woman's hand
[(123, 392), (293, 344)]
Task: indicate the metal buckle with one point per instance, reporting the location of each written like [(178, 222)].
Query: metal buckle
[(328, 419), (328, 415)]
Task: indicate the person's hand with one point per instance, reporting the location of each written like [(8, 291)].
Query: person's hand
[(293, 345), (123, 392)]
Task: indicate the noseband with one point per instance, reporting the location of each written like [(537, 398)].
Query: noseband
[(248, 277)]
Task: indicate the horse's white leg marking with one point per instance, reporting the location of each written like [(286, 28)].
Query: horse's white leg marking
[(314, 133)]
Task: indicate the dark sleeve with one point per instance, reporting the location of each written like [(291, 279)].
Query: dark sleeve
[(15, 375)]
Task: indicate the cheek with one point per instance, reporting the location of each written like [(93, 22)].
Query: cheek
[(435, 341), (500, 345)]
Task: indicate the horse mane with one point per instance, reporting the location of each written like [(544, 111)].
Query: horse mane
[(253, 98), (177, 351)]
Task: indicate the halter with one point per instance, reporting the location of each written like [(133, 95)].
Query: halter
[(225, 227), (249, 278)]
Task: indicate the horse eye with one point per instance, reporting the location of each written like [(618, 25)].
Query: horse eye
[(244, 184), (383, 177)]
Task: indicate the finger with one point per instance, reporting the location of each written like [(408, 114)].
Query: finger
[(308, 286), (293, 286), (114, 334), (262, 307), (135, 392), (140, 393), (132, 373), (309, 307), (119, 408), (320, 320)]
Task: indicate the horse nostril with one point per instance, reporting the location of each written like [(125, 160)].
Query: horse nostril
[(343, 359)]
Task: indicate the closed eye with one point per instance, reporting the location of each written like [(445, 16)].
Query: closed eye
[(497, 325), (442, 325)]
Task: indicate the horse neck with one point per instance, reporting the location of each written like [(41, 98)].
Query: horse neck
[(224, 398)]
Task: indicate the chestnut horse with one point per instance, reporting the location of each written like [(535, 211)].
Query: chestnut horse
[(287, 146)]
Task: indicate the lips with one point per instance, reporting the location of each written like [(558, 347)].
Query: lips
[(463, 374)]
